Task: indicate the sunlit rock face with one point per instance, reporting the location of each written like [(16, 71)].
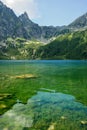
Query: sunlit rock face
[(44, 110)]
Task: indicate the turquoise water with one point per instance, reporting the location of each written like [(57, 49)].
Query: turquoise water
[(56, 98), (43, 110)]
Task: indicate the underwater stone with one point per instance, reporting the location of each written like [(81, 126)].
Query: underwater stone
[(83, 122), (43, 107), (63, 117)]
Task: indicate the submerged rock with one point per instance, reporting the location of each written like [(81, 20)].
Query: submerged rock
[(84, 122), (17, 118), (52, 127), (2, 106), (42, 110), (63, 117), (24, 76), (5, 95)]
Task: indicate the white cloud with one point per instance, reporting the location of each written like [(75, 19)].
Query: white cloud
[(20, 6)]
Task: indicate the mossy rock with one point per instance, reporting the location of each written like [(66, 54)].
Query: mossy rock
[(24, 76), (5, 95), (83, 122), (2, 106)]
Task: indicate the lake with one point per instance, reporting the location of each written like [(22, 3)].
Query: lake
[(44, 94)]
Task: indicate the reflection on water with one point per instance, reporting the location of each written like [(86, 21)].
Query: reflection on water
[(44, 111)]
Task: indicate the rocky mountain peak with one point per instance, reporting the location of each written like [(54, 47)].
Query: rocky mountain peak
[(80, 22), (24, 16), (1, 4), (22, 26)]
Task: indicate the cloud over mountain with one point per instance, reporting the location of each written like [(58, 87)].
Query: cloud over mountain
[(20, 6)]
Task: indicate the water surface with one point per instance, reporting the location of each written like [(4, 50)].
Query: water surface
[(46, 109), (49, 94)]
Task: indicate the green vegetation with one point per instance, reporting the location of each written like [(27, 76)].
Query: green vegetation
[(22, 81), (18, 48), (68, 46), (68, 77), (46, 111)]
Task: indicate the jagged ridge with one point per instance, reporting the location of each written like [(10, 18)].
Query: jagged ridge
[(22, 26)]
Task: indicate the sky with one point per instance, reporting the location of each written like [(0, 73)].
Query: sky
[(49, 12)]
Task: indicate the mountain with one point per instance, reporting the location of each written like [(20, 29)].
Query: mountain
[(22, 26), (39, 32), (18, 48), (33, 30), (20, 38), (80, 22), (10, 25), (68, 46)]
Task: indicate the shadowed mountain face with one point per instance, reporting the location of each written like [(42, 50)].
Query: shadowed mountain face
[(32, 29), (20, 38), (79, 22), (68, 46), (10, 25), (22, 26)]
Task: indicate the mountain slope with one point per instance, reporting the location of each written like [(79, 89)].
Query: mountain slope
[(22, 26), (68, 46), (32, 29), (79, 22), (20, 38), (18, 48), (10, 25)]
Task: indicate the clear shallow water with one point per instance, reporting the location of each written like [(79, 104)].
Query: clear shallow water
[(43, 110)]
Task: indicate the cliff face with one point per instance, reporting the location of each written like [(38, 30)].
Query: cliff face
[(22, 26), (80, 22), (20, 38), (10, 25), (33, 30), (13, 26)]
